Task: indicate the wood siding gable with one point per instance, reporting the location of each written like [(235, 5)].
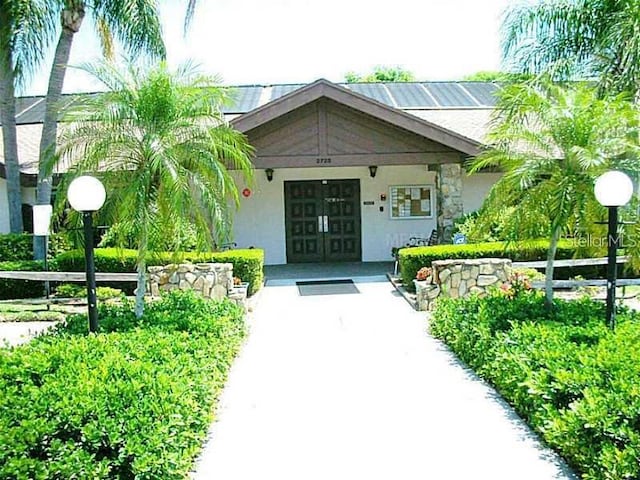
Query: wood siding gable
[(256, 122)]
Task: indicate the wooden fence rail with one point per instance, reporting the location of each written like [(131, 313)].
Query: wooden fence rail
[(577, 262), (132, 277), (595, 282), (68, 276)]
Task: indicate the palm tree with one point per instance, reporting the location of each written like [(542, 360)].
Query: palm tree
[(135, 24), (24, 35), (552, 141), (577, 38), (161, 145)]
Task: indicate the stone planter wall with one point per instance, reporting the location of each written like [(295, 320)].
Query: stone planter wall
[(211, 280), (461, 278)]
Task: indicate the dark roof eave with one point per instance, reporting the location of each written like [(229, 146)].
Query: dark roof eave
[(26, 179)]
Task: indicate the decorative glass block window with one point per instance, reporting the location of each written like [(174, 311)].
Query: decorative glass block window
[(411, 201)]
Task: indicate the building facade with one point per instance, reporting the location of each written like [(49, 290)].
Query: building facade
[(346, 172)]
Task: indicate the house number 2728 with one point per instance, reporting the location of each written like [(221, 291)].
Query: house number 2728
[(323, 160)]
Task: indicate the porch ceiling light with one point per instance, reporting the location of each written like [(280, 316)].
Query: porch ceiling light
[(269, 173), (613, 189), (373, 169)]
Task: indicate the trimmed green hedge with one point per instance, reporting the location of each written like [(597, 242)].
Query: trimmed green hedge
[(247, 264), (16, 247), (133, 401), (412, 259), (569, 376), (12, 289), (19, 246)]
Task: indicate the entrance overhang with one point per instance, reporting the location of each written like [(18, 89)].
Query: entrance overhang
[(324, 89)]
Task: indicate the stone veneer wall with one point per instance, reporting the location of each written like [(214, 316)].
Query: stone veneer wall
[(211, 280), (461, 278), (449, 205)]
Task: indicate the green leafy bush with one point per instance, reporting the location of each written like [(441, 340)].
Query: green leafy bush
[(32, 316), (134, 401), (181, 236), (247, 264), (77, 290), (16, 247), (19, 246), (13, 289), (414, 258), (477, 231), (569, 376)]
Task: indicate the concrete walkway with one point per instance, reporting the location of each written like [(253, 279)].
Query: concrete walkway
[(15, 333), (352, 387)]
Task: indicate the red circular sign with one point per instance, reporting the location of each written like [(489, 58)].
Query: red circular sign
[(246, 192)]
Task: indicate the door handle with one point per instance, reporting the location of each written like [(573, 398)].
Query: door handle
[(320, 224), (326, 223)]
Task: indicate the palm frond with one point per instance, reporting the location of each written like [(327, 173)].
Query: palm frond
[(135, 24), (160, 143)]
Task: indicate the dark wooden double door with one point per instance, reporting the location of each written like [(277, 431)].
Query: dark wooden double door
[(322, 219)]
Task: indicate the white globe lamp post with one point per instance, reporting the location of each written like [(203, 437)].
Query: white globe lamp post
[(86, 195), (612, 189)]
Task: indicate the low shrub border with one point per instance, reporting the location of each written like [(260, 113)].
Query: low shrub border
[(32, 316), (133, 401), (412, 259), (19, 246), (248, 264), (570, 377), (79, 290), (14, 289)]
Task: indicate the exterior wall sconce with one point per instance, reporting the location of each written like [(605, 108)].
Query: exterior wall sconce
[(373, 169), (269, 173)]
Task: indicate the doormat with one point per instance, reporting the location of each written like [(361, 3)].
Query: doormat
[(327, 287)]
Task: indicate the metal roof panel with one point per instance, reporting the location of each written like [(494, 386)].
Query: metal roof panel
[(376, 91), (485, 93), (245, 99), (281, 90), (31, 111), (410, 95), (449, 94)]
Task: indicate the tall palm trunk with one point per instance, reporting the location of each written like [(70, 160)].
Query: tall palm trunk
[(10, 140), (141, 288), (71, 22), (551, 255)]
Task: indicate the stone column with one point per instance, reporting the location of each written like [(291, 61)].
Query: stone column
[(449, 190)]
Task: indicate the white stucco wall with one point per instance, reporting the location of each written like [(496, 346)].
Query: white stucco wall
[(260, 221), (28, 196), (475, 189)]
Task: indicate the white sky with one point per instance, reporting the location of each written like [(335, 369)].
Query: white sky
[(299, 41)]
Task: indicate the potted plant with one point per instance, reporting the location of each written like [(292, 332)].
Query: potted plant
[(423, 278), (424, 274)]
